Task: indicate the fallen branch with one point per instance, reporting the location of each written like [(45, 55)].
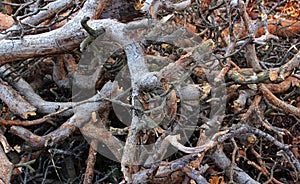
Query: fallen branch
[(46, 107), (239, 131), (199, 149), (23, 123), (251, 55), (89, 171), (277, 102), (57, 41), (224, 163), (98, 134), (137, 67), (284, 86), (168, 172), (6, 168), (82, 115), (284, 70), (15, 102), (44, 14)]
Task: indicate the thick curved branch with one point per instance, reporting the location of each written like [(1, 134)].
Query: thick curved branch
[(57, 41), (45, 107), (173, 139), (82, 115), (277, 102), (16, 103), (251, 55), (289, 66), (47, 12)]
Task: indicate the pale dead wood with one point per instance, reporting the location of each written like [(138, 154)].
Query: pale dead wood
[(137, 67), (4, 143), (57, 41), (169, 172), (199, 149), (16, 103), (97, 132), (289, 66), (223, 162), (82, 115), (47, 12)]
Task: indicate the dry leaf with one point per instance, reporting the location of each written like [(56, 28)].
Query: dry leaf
[(282, 27), (139, 5), (242, 152), (191, 28), (273, 75), (8, 8), (206, 90), (217, 180), (6, 21)]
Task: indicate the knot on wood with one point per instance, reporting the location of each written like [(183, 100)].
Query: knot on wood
[(149, 82)]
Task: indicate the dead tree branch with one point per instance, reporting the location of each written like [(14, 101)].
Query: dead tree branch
[(16, 103)]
